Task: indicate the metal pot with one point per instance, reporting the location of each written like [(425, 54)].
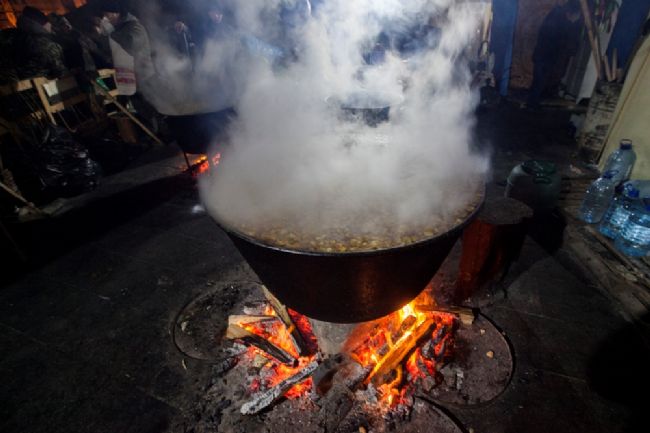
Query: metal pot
[(347, 287), (365, 107), (195, 133)]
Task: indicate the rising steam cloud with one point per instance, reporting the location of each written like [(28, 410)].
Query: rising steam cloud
[(292, 159)]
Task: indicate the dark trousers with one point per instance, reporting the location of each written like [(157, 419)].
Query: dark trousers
[(541, 72)]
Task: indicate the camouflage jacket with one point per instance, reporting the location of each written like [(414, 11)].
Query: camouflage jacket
[(36, 53)]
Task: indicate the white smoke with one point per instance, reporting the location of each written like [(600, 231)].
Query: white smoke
[(291, 157)]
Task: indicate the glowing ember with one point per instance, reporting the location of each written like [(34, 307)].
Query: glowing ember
[(274, 372), (394, 336), (203, 164), (399, 350)]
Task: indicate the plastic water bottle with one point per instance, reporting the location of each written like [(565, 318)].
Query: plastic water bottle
[(616, 216), (597, 198), (634, 238), (621, 161), (642, 185)]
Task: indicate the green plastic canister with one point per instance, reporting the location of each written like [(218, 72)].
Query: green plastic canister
[(536, 183)]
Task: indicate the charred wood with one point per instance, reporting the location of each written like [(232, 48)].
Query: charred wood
[(244, 319), (466, 315), (266, 398), (236, 332), (283, 314)]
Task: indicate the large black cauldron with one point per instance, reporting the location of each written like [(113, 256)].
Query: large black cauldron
[(347, 287), (195, 133)]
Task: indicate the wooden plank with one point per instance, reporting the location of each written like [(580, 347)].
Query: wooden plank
[(38, 84), (20, 86), (60, 106), (626, 261)]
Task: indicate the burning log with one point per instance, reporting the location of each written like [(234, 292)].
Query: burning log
[(236, 332), (268, 397), (283, 314), (243, 319), (429, 349), (466, 315), (398, 352)]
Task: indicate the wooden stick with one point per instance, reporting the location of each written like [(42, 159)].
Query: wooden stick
[(608, 70), (399, 351), (268, 397), (592, 38), (615, 64), (466, 315), (283, 314), (236, 332), (123, 109), (21, 199)]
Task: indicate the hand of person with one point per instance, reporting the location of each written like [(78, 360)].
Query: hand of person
[(180, 27)]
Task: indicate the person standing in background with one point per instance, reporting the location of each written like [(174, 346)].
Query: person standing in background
[(502, 41), (36, 54), (127, 31), (557, 41)]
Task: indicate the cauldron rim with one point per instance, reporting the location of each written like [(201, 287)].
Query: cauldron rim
[(433, 239)]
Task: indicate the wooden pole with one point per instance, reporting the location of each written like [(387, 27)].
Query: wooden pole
[(21, 199), (592, 38), (123, 109)]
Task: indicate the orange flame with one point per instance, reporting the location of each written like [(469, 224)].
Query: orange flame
[(274, 372), (385, 335), (388, 334), (203, 164)]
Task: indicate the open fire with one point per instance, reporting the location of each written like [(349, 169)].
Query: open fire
[(387, 358)]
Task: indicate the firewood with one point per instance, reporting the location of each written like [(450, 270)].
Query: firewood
[(283, 314), (429, 348), (466, 315), (256, 308), (399, 351), (236, 332), (270, 396), (392, 337), (244, 319)]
